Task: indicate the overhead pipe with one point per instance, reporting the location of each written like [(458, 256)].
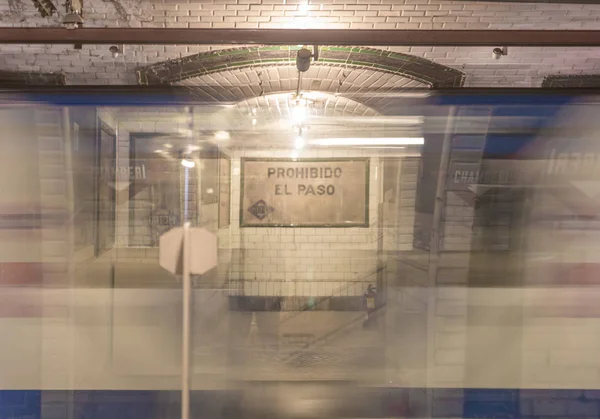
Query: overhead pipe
[(355, 37)]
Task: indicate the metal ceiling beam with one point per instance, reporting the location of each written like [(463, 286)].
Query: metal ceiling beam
[(154, 36)]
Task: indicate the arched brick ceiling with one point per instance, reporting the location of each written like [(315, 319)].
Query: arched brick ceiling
[(240, 84), (263, 121), (421, 70), (238, 74), (268, 121), (279, 106)]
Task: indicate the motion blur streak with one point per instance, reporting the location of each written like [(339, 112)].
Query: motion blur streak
[(491, 311)]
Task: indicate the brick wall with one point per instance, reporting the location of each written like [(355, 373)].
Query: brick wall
[(524, 67)]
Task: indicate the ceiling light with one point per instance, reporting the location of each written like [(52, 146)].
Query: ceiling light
[(222, 135), (168, 145), (368, 141), (386, 147), (299, 142), (187, 163), (254, 122), (158, 151), (114, 51), (72, 21), (303, 8), (193, 147), (298, 115)]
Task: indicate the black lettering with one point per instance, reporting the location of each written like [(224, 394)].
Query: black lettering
[(290, 173), (337, 172), (299, 172), (270, 171), (301, 189), (278, 190), (328, 172), (473, 176), (280, 172), (330, 190), (314, 172), (286, 190), (310, 190), (321, 190)]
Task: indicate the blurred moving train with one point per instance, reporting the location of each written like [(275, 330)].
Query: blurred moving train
[(491, 311)]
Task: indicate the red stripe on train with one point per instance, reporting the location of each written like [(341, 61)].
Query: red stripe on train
[(21, 273), (26, 277)]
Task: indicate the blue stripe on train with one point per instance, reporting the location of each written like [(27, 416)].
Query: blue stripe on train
[(467, 403)]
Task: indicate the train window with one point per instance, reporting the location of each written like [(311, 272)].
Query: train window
[(371, 256)]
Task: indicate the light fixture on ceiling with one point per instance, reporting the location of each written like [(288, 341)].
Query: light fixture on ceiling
[(187, 163), (74, 14), (303, 8), (303, 59), (497, 53), (391, 141), (383, 146), (299, 142), (115, 51), (222, 135), (72, 21), (298, 114)]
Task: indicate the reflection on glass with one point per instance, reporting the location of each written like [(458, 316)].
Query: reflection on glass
[(414, 257)]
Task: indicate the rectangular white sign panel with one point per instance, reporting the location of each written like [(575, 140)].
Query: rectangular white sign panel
[(305, 193)]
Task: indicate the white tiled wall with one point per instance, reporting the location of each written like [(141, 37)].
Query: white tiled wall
[(303, 261)]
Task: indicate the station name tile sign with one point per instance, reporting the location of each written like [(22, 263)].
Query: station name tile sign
[(304, 193)]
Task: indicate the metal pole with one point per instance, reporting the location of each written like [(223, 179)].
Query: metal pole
[(434, 250), (187, 289), (186, 189), (185, 341), (299, 84), (68, 146)]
